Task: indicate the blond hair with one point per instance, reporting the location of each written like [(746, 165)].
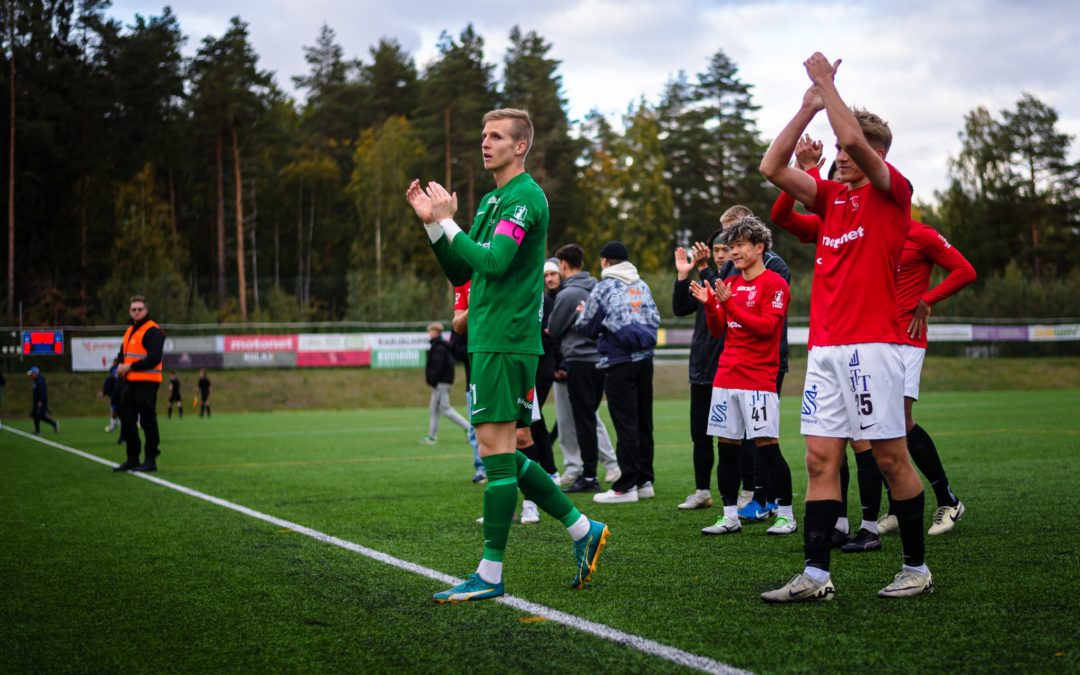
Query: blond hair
[(874, 129), (521, 128), (734, 215)]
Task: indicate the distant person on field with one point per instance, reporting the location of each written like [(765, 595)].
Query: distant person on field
[(39, 400), (503, 254), (140, 353), (111, 388), (459, 347), (204, 393), (174, 395), (439, 372)]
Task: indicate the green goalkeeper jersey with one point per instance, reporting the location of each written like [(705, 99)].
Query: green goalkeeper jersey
[(503, 255)]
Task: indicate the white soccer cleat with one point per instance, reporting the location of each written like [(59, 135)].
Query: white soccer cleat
[(723, 525), (646, 491), (612, 474), (699, 499), (887, 524), (907, 583), (801, 588), (615, 497), (529, 513), (945, 518), (783, 525)]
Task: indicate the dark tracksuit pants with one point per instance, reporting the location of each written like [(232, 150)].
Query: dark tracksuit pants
[(138, 404), (629, 390)]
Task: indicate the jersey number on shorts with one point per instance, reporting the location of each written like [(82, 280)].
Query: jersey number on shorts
[(866, 406)]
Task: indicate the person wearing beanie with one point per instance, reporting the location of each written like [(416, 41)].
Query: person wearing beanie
[(39, 397), (622, 316)]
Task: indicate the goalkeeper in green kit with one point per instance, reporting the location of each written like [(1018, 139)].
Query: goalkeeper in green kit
[(503, 255)]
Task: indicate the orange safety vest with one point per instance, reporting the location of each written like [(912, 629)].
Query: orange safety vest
[(133, 351)]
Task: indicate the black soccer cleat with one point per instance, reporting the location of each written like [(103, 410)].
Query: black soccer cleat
[(838, 538), (583, 484), (127, 466), (864, 541)]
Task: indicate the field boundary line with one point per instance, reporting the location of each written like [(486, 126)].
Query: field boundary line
[(672, 654)]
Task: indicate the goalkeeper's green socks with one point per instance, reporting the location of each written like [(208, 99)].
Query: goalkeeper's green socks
[(500, 499), (538, 487)]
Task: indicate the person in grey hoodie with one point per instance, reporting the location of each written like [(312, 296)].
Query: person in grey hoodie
[(584, 381), (622, 315)]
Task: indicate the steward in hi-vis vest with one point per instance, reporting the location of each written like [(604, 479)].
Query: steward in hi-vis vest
[(140, 367)]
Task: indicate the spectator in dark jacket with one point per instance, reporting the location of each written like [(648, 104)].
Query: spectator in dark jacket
[(439, 371), (704, 355), (40, 401)]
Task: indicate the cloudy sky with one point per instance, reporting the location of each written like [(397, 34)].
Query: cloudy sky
[(922, 64)]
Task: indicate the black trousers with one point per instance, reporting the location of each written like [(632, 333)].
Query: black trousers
[(41, 415), (541, 437), (700, 400), (585, 385), (138, 403), (629, 389)]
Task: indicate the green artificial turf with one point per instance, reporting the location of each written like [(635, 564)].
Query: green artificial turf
[(107, 572)]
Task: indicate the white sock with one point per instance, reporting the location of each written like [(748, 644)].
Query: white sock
[(869, 526), (842, 525), (786, 512), (579, 529), (704, 493), (490, 571), (731, 512), (817, 575), (921, 569)]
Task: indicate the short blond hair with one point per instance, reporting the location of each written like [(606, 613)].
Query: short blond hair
[(522, 127), (734, 215), (874, 129)]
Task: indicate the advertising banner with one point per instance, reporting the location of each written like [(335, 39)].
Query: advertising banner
[(949, 332), (259, 359), (398, 358), (1065, 331), (334, 359), (93, 354), (398, 341), (999, 333), (193, 361), (260, 343)]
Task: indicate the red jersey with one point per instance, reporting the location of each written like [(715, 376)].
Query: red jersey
[(924, 248), (461, 296), (750, 322), (858, 245)]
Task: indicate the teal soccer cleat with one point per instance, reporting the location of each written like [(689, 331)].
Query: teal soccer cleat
[(473, 588), (587, 552)]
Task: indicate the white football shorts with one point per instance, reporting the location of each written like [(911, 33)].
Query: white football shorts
[(742, 413), (913, 361), (854, 391)]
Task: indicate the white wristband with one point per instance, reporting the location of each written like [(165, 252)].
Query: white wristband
[(434, 231), (450, 228)]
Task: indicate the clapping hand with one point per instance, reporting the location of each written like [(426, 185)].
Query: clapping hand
[(443, 203)]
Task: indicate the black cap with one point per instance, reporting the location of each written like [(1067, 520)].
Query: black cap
[(615, 250)]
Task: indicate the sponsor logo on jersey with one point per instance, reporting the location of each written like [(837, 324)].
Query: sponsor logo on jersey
[(719, 413), (778, 300), (944, 241), (836, 242), (809, 400)]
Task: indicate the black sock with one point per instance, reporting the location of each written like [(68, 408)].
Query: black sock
[(746, 466), (818, 524), (909, 513), (779, 472), (170, 412), (181, 411), (845, 481), (870, 480), (925, 455), (531, 453), (727, 472)]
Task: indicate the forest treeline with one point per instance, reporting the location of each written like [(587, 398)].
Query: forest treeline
[(201, 183)]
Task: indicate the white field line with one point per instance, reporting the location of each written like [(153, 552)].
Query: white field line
[(639, 643)]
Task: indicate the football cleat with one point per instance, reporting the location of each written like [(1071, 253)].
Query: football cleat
[(946, 517), (838, 538), (587, 552), (646, 491), (614, 496), (907, 583), (887, 524), (529, 513), (864, 541), (473, 588), (701, 499), (755, 512), (428, 440), (783, 525), (723, 525), (801, 588), (583, 484)]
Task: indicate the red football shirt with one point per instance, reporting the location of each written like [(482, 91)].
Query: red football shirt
[(924, 248), (858, 245), (751, 322), (461, 296)]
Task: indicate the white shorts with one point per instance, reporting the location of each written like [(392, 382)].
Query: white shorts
[(742, 413), (913, 359), (854, 391)]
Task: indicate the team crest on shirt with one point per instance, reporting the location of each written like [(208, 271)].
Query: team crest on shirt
[(520, 212), (854, 199), (778, 300)]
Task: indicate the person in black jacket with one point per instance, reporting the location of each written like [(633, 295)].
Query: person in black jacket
[(439, 371), (40, 401), (704, 356)]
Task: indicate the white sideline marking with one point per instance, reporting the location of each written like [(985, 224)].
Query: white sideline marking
[(639, 643)]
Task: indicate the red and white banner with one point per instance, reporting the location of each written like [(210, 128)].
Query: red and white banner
[(260, 343), (94, 354)]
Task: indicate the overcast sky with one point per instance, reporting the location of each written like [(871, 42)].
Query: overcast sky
[(920, 64)]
